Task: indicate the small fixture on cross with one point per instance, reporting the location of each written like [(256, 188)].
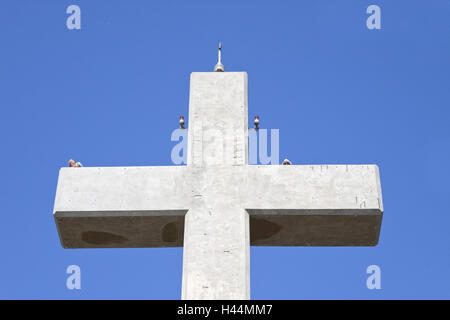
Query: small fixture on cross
[(181, 122)]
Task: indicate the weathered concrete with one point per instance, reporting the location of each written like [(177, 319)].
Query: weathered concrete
[(315, 205), (216, 257), (288, 205), (218, 205), (121, 207), (218, 119)]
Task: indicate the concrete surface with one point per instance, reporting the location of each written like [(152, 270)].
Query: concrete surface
[(218, 205), (216, 256), (314, 205), (121, 207)]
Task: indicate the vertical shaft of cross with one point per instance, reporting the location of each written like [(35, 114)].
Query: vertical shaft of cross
[(216, 258)]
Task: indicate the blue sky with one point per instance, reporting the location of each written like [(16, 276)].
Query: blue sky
[(111, 93)]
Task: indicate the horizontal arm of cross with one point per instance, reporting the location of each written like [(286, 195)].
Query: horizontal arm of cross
[(288, 205), (119, 207), (315, 205)]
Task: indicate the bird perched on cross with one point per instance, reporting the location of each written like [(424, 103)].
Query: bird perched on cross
[(74, 164)]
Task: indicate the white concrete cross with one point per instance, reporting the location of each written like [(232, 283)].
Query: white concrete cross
[(218, 205)]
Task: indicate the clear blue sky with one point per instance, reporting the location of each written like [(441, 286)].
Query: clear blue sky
[(110, 95)]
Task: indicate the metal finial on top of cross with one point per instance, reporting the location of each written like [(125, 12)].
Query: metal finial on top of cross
[(219, 67)]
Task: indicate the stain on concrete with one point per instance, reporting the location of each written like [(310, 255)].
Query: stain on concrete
[(261, 229), (102, 238), (170, 232)]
